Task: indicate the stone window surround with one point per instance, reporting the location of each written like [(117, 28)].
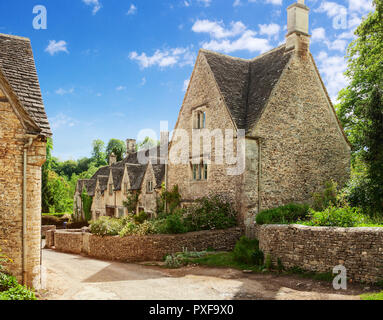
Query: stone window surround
[(202, 169), (199, 114), (149, 186)]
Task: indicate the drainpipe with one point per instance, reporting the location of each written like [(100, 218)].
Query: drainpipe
[(259, 173), (166, 184), (24, 233)]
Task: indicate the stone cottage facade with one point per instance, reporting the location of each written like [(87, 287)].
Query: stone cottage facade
[(111, 185), (279, 113), (24, 129), (293, 139)]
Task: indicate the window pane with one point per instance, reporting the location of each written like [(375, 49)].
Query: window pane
[(204, 120), (205, 171), (194, 172), (199, 172)]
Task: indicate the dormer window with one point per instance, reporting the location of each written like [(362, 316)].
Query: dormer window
[(199, 172), (110, 189), (199, 120), (149, 186)]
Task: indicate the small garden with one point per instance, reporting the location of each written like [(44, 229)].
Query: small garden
[(330, 208), (246, 256), (10, 289), (213, 212)]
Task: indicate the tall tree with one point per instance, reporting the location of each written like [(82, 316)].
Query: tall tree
[(116, 146), (98, 153), (365, 72), (361, 109)]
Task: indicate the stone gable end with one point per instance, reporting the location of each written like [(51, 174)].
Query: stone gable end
[(303, 145), (203, 93)]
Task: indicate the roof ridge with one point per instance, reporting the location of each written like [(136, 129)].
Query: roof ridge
[(268, 52), (243, 59), (14, 37)]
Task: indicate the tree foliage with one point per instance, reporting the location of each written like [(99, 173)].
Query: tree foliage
[(116, 146), (361, 111)]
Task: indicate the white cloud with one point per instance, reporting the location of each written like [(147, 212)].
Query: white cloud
[(164, 58), (62, 120), (360, 5), (217, 29), (206, 3), (332, 9), (247, 41), (276, 2), (237, 3), (319, 35), (186, 85), (56, 46), (121, 88), (132, 10), (332, 69), (271, 29), (63, 92), (93, 3), (143, 81), (221, 35)]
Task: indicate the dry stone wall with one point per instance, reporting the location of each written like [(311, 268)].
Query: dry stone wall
[(320, 249), (141, 248)]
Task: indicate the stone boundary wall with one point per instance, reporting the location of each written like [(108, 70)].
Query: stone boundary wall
[(140, 248), (44, 229), (320, 249)]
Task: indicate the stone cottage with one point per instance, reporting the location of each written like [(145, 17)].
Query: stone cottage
[(293, 139), (111, 185), (24, 129)]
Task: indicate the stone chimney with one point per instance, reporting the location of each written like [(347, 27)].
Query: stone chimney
[(112, 159), (298, 37), (130, 146)]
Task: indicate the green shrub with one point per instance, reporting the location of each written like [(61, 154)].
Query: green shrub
[(172, 261), (209, 213), (258, 257), (280, 265), (106, 226), (336, 217), (141, 217), (17, 292), (327, 197), (128, 230), (283, 215), (7, 282), (244, 250), (175, 224), (268, 262)]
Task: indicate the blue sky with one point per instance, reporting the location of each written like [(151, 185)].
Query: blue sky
[(110, 68)]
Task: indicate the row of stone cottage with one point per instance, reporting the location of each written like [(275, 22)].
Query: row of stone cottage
[(111, 185)]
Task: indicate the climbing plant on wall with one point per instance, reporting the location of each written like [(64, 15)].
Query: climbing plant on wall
[(86, 204)]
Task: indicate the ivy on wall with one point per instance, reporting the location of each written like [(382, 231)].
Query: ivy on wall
[(86, 204)]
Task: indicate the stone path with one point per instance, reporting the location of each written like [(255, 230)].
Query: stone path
[(72, 277)]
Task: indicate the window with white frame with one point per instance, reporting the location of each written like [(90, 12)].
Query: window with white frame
[(200, 172)]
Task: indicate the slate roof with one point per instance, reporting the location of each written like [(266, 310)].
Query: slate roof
[(246, 85), (103, 181), (136, 174), (89, 184), (18, 67)]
